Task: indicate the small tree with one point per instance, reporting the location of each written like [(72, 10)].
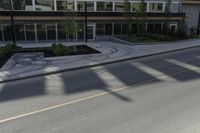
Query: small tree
[(71, 24), (166, 25), (128, 15), (19, 4), (141, 18), (182, 29)]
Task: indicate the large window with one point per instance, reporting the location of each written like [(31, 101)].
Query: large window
[(119, 6), (7, 30), (80, 31), (65, 5), (61, 31), (117, 29), (100, 29), (30, 32), (135, 6), (150, 28), (22, 5), (158, 28), (133, 29), (104, 6), (20, 32), (44, 5), (125, 29), (90, 6), (154, 28), (51, 32), (4, 5), (104, 29), (108, 29), (41, 32), (80, 6), (155, 7)]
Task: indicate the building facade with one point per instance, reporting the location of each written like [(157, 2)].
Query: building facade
[(45, 20)]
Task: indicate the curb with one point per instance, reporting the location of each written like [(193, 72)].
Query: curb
[(118, 40), (105, 63)]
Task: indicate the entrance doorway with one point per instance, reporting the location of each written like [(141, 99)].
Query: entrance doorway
[(91, 32)]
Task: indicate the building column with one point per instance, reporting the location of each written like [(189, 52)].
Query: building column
[(2, 33), (55, 5), (95, 5), (56, 26), (113, 6), (164, 4), (46, 26), (75, 5), (33, 2), (25, 32), (113, 29), (147, 6), (36, 37)]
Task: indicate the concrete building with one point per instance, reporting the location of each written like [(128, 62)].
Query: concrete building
[(192, 10), (45, 20)]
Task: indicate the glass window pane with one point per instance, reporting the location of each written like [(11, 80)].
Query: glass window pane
[(41, 31), (119, 6), (100, 29), (133, 29), (108, 29), (108, 6), (80, 6), (4, 5), (19, 32), (117, 29), (22, 5), (65, 5), (135, 6), (30, 32), (80, 32), (155, 7), (158, 28), (90, 6), (150, 28), (104, 6), (100, 6), (44, 5), (61, 32), (125, 29), (7, 31), (51, 32)]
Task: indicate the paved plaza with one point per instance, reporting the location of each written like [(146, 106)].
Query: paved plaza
[(22, 65)]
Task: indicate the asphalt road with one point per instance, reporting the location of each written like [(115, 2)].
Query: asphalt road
[(159, 94)]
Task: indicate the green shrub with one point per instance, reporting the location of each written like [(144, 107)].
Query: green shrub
[(60, 49), (7, 49)]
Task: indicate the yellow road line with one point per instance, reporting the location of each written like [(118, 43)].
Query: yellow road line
[(78, 100), (60, 105)]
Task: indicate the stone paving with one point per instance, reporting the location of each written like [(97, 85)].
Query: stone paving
[(30, 64)]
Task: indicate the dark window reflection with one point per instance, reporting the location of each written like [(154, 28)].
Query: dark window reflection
[(30, 32), (41, 32)]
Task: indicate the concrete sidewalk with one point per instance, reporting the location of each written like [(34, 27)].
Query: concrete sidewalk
[(27, 65)]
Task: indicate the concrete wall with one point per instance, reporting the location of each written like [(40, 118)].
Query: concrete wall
[(192, 14)]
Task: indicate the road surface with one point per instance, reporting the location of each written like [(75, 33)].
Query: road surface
[(159, 94)]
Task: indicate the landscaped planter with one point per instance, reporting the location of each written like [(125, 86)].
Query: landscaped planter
[(48, 52)]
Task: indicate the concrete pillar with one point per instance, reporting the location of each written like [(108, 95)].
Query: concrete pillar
[(55, 5), (33, 2)]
